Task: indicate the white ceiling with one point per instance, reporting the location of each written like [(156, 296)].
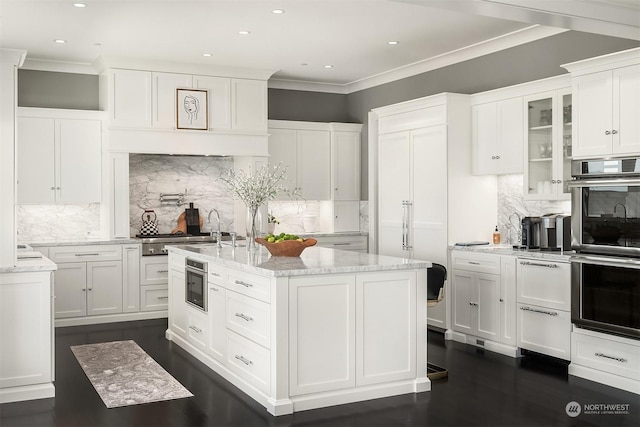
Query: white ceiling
[(350, 35)]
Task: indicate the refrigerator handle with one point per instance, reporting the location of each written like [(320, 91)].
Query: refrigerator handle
[(406, 204)]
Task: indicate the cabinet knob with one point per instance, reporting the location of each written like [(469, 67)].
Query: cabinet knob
[(497, 157), (336, 189), (53, 188), (558, 181), (553, 181), (493, 157), (606, 132), (614, 131), (501, 299)]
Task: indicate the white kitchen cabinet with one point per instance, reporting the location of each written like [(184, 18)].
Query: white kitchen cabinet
[(548, 153), (59, 156), (128, 96), (118, 164), (154, 298), (346, 216), (26, 334), (71, 291), (497, 138), (154, 270), (130, 278), (307, 155), (219, 89), (355, 243), (217, 322), (345, 161), (197, 328), (249, 105), (544, 304), (164, 96), (483, 299), (178, 321), (606, 106)]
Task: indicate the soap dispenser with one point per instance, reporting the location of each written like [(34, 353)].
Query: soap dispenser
[(496, 236)]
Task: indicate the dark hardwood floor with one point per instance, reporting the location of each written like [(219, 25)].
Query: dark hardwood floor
[(483, 389)]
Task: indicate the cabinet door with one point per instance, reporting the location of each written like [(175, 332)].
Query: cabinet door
[(71, 290), (164, 87), (177, 304), (345, 165), (79, 156), (484, 138), (428, 214), (130, 279), (119, 164), (131, 98), (346, 216), (487, 306), (104, 287), (321, 333), (249, 104), (154, 270), (592, 115), (282, 149), (385, 327), (510, 136), (544, 283), (508, 300), (219, 89), (217, 317), (626, 110), (393, 189), (35, 157), (544, 330), (463, 284), (538, 168), (314, 164)]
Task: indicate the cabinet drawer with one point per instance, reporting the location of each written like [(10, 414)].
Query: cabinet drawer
[(154, 270), (217, 274), (606, 353), (197, 329), (249, 361), (154, 297), (474, 261), (61, 254), (544, 283), (250, 284), (347, 243), (248, 317), (544, 330)]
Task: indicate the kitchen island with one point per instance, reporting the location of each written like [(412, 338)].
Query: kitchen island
[(326, 328)]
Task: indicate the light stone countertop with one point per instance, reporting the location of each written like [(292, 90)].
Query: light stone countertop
[(313, 261), (34, 262), (562, 256), (84, 242)]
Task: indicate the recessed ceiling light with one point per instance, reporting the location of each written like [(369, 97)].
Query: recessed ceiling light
[(79, 5), (206, 54), (244, 33), (97, 44), (60, 41), (304, 64), (393, 42), (277, 11), (328, 66)]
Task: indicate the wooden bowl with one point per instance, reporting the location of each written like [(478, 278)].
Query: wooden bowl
[(291, 248)]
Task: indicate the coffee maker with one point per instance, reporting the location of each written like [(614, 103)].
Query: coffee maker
[(531, 231), (555, 232)]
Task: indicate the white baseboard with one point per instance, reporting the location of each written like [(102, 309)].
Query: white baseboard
[(28, 392), (110, 318), (605, 378)]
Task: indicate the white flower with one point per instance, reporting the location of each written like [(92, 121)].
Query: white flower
[(255, 189)]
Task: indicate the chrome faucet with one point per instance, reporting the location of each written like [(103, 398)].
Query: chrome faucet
[(218, 233), (615, 208)]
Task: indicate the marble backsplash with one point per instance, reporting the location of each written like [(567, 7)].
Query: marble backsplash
[(511, 202), (195, 176), (58, 222)]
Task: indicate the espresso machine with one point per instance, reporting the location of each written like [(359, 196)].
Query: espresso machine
[(555, 232), (531, 231)]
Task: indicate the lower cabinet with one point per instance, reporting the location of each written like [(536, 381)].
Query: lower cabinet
[(217, 318), (178, 322), (154, 277), (544, 330)]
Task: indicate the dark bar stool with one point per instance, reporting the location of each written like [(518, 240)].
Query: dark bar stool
[(436, 276)]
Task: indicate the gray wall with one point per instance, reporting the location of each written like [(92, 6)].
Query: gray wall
[(307, 106), (57, 90)]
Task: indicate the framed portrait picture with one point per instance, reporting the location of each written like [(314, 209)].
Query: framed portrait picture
[(191, 109)]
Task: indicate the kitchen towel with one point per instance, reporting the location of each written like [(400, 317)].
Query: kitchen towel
[(123, 374)]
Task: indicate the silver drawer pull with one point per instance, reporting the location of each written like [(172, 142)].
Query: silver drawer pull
[(342, 244), (243, 360), (93, 254), (162, 271), (244, 317), (535, 310), (245, 284), (473, 304), (215, 289), (617, 359), (214, 274), (195, 328), (474, 263), (539, 264), (166, 297)]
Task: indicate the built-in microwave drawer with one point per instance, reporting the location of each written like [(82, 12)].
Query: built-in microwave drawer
[(249, 361), (248, 317), (608, 353), (476, 261), (544, 283), (252, 285)]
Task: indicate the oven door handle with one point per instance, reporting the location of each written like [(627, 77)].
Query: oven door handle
[(606, 260), (604, 182)]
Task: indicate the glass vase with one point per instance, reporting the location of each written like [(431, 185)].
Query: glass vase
[(253, 224)]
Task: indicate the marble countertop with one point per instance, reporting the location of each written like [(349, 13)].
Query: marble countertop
[(313, 261), (509, 250), (84, 242), (30, 261)]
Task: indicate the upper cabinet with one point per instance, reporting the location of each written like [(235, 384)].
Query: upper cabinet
[(497, 137), (345, 161), (547, 166), (147, 100), (59, 156), (606, 105)]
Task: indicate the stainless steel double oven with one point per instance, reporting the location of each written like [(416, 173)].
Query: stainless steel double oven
[(605, 270)]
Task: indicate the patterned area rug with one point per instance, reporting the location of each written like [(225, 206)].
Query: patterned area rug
[(123, 374)]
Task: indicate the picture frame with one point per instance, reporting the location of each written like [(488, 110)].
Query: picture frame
[(192, 109)]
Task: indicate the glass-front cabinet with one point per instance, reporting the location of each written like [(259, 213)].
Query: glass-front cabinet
[(547, 159)]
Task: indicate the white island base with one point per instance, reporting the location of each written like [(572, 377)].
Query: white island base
[(328, 328)]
